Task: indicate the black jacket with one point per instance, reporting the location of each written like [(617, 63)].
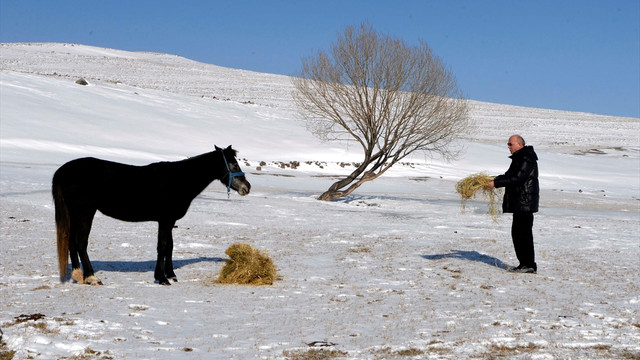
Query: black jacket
[(522, 192)]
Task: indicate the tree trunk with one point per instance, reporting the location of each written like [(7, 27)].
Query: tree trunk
[(334, 192), (331, 195)]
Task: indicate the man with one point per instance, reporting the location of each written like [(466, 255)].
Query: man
[(521, 197)]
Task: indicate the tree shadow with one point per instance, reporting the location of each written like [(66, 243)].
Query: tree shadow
[(471, 256), (143, 266), (370, 200)]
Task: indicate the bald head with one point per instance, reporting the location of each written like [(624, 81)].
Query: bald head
[(516, 142)]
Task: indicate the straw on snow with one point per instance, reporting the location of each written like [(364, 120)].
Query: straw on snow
[(247, 266), (472, 184)]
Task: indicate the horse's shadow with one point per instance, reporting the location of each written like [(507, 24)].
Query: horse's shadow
[(471, 256), (143, 266)]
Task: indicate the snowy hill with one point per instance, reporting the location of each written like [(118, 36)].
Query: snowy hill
[(393, 270)]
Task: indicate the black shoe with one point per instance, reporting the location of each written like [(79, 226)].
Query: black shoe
[(515, 269), (526, 270)]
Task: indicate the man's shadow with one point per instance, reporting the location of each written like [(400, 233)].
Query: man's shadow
[(471, 256)]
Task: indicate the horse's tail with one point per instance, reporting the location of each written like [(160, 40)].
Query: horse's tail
[(62, 226)]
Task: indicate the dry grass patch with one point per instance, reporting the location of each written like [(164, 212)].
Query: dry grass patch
[(470, 186), (629, 354), (359, 250), (314, 354), (497, 351), (247, 266), (387, 353), (90, 354), (5, 353)]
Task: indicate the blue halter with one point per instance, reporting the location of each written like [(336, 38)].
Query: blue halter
[(231, 174)]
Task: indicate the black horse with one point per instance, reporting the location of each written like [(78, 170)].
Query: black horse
[(159, 192)]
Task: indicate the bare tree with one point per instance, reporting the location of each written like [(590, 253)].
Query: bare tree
[(391, 98)]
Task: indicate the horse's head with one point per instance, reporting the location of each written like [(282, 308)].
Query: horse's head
[(234, 177)]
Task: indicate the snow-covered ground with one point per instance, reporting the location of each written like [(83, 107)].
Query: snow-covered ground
[(394, 271)]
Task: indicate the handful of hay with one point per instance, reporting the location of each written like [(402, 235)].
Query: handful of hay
[(247, 266), (469, 186)]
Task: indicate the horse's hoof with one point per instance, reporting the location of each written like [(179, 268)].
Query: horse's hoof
[(175, 279), (92, 280), (164, 282)]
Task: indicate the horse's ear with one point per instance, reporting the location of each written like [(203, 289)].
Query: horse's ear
[(217, 148), (230, 150)]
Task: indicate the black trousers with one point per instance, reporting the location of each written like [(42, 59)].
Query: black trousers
[(522, 235)]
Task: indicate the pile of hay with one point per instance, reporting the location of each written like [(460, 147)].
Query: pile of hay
[(247, 266), (472, 184)]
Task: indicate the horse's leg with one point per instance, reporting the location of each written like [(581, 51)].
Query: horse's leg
[(168, 258), (82, 226), (165, 248), (76, 271)]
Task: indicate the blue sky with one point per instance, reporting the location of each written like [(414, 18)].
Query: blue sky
[(581, 55)]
